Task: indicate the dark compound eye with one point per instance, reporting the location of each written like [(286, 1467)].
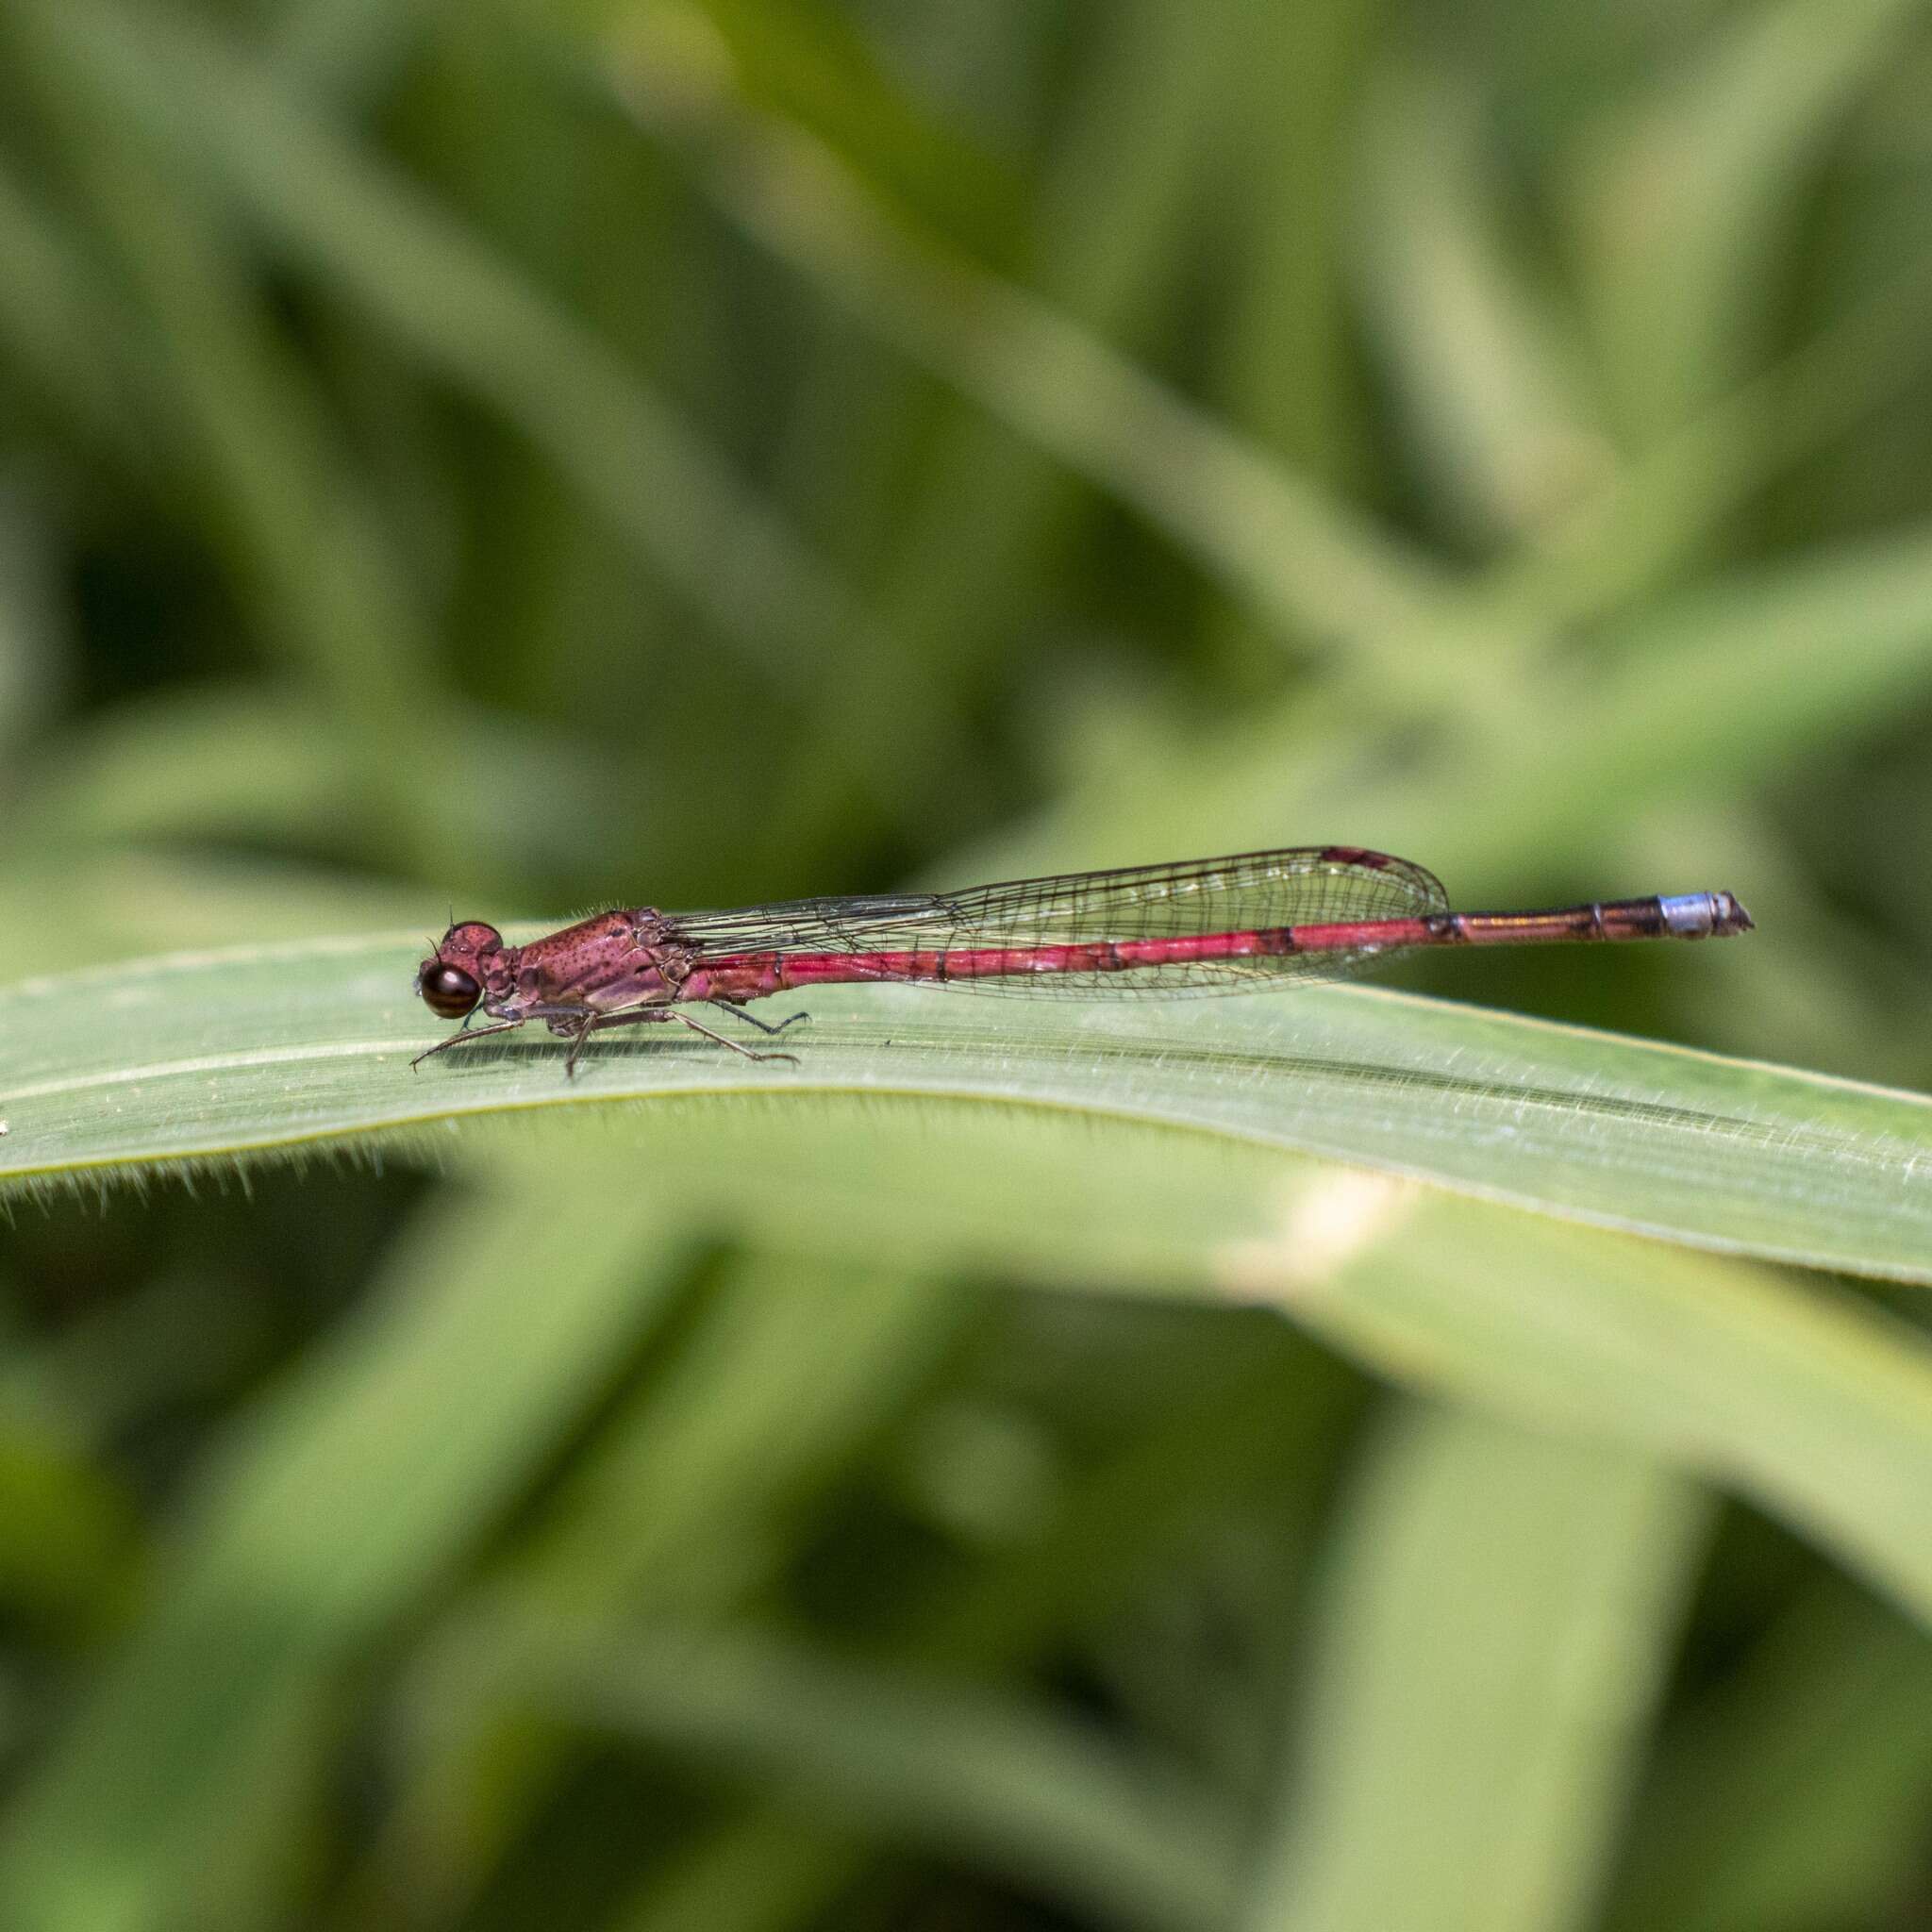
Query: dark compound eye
[(448, 991)]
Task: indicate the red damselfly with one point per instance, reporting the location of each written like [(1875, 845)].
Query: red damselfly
[(1207, 925)]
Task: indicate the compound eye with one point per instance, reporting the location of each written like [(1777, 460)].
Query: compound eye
[(448, 991)]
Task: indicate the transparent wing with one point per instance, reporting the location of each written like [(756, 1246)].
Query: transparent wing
[(1317, 885)]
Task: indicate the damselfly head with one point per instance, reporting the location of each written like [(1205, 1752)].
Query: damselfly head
[(468, 962)]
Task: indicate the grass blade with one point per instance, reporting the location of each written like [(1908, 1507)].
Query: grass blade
[(204, 1058), (342, 1500), (1482, 1690)]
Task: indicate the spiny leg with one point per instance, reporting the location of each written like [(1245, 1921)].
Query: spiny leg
[(642, 1015), (752, 1019), (460, 1036), (587, 1025), (723, 1039)]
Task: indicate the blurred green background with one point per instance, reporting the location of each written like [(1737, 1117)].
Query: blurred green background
[(517, 458)]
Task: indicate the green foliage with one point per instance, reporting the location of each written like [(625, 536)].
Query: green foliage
[(1354, 1459)]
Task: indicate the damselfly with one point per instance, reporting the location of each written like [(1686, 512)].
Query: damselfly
[(1208, 926)]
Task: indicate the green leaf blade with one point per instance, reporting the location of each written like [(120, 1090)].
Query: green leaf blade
[(204, 1058)]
